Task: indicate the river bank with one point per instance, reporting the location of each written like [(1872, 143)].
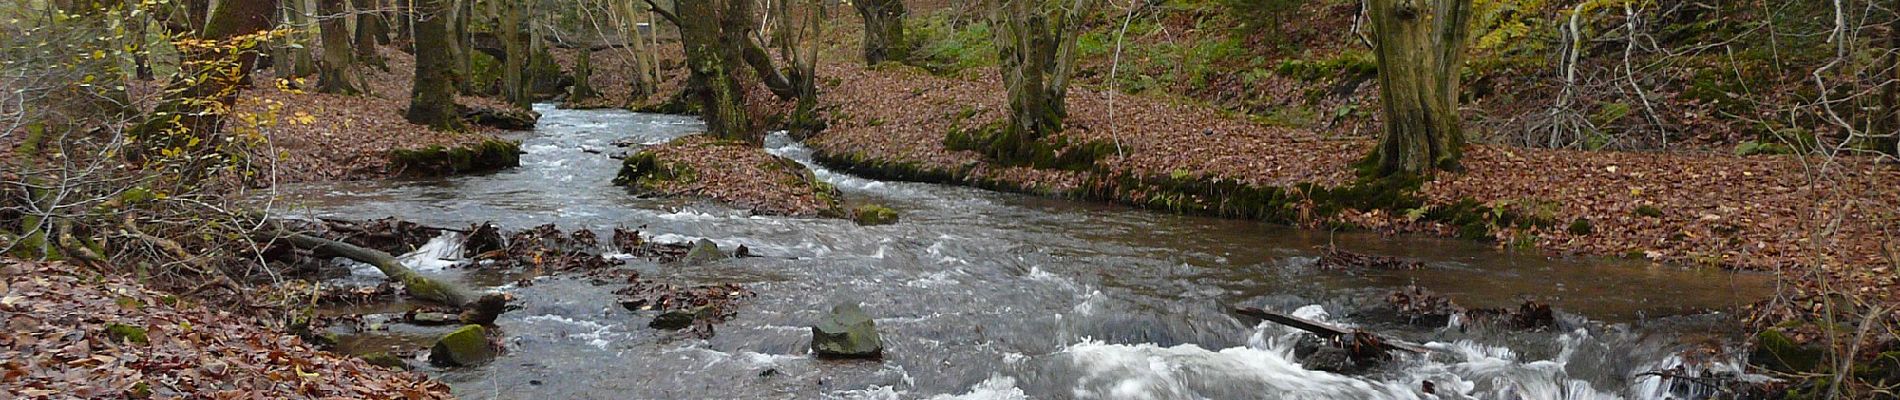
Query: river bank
[(1754, 213)]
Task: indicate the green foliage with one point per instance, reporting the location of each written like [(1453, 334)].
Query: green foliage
[(1581, 227), (1648, 210), (946, 47), (1349, 63)]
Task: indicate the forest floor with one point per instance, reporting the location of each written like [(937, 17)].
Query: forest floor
[(330, 137), (106, 336), (1772, 213)]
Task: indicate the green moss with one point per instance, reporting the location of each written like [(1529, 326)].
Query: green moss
[(1749, 148), (1775, 351), (644, 172), (126, 333), (873, 214), (1581, 227), (465, 346), (1008, 147), (489, 155), (1648, 210)]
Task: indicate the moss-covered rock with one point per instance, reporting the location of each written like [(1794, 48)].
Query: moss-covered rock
[(466, 346), (703, 252), (846, 333), (489, 155), (873, 214)]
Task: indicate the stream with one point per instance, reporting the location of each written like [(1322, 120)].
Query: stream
[(986, 295)]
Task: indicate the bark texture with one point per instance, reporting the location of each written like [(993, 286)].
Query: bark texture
[(883, 30), (337, 72), (432, 100), (1420, 47), (712, 60)]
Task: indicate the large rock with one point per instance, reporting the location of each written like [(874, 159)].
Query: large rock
[(464, 347), (846, 333), (873, 214)]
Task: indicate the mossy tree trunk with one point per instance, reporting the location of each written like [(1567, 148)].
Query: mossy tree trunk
[(583, 71), (195, 100), (337, 72), (1035, 42), (1420, 47), (883, 30), (712, 61), (432, 99)]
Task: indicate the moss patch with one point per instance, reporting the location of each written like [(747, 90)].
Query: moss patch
[(489, 155), (126, 333), (464, 347), (873, 214)]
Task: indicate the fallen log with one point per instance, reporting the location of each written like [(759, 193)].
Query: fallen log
[(421, 287), (1326, 331)]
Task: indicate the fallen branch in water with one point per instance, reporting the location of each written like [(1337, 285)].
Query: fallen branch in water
[(419, 286), (1323, 330)]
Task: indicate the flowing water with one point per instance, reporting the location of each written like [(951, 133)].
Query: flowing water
[(988, 295)]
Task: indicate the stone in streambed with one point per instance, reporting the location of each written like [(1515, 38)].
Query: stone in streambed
[(678, 319), (704, 251), (846, 333), (464, 347)]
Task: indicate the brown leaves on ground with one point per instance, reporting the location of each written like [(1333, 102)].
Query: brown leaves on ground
[(1762, 212), (744, 175), (327, 137), (75, 337)]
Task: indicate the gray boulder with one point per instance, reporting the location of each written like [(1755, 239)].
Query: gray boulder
[(846, 333)]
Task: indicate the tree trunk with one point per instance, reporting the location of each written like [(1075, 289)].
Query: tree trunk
[(432, 99), (645, 77), (1035, 42), (372, 30), (297, 45), (514, 84), (404, 14), (583, 70), (712, 62), (1887, 124), (1420, 47), (883, 30), (207, 85), (460, 45), (337, 72), (421, 287)]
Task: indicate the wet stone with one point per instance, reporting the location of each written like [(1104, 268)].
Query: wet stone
[(703, 252), (846, 333), (467, 346)]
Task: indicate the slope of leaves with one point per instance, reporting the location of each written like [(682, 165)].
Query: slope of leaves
[(72, 337)]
